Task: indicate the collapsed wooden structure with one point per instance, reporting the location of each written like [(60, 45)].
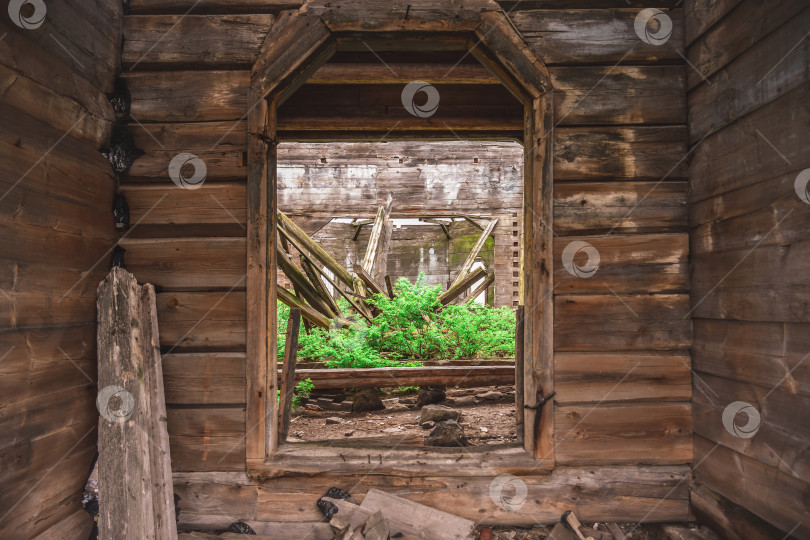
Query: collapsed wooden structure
[(679, 160)]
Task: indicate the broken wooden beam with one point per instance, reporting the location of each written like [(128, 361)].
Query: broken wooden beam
[(389, 287), (287, 386), (293, 231), (302, 284), (368, 281), (482, 287), (479, 244), (457, 290), (308, 312), (136, 495), (315, 278)]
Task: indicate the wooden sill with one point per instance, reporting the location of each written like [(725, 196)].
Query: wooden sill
[(342, 459)]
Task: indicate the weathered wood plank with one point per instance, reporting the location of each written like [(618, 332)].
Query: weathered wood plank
[(621, 434), (744, 27), (204, 379), (622, 322), (769, 354), (727, 518), (762, 284), (593, 207), (625, 377), (210, 6), (772, 69), (230, 41), (654, 263), (738, 156), (197, 321), (211, 439), (287, 386), (772, 495), (700, 15), (594, 36)]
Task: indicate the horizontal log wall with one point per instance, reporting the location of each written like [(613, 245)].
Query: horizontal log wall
[(748, 112), (56, 236), (620, 154)]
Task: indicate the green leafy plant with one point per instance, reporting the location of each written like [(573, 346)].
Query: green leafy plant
[(302, 390), (408, 330)]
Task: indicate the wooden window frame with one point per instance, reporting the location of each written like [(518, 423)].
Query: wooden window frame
[(299, 42)]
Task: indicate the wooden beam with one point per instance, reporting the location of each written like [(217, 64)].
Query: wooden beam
[(288, 373), (295, 233), (376, 241), (377, 73), (479, 244), (302, 284), (481, 288), (458, 289), (454, 376), (389, 287), (315, 278), (308, 312), (369, 282)]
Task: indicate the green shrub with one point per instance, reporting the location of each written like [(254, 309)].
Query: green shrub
[(409, 327)]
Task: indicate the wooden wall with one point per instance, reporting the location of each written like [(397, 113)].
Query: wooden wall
[(748, 116), (56, 236), (622, 365)]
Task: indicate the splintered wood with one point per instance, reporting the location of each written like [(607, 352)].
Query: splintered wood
[(136, 497), (382, 515)]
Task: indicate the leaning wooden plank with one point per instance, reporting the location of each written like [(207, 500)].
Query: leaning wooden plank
[(479, 244), (302, 284), (288, 373), (368, 281), (293, 231), (427, 521), (157, 428), (315, 278), (374, 261), (481, 288), (457, 290), (131, 429), (308, 312)]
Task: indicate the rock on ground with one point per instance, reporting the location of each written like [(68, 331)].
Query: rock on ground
[(429, 395), (438, 413), (367, 400), (447, 433)]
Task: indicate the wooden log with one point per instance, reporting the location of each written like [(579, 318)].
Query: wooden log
[(391, 377), (135, 487), (388, 287), (302, 285), (288, 373), (207, 439), (520, 345), (315, 278), (308, 312), (454, 292), (731, 520), (179, 7), (294, 232), (490, 279), (368, 281), (479, 244)]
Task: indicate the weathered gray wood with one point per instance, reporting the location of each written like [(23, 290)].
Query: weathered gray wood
[(287, 386), (417, 518), (465, 268), (135, 487)]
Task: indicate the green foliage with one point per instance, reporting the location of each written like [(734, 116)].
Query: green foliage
[(409, 327), (302, 390)]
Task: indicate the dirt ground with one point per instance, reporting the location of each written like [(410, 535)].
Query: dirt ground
[(485, 421)]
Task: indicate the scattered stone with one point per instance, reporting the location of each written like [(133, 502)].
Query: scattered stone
[(348, 434), (486, 534), (463, 401), (447, 433), (408, 402), (299, 434), (312, 407), (396, 429), (328, 508), (367, 400), (346, 406), (334, 420), (484, 430), (492, 395), (428, 425), (429, 395), (438, 413)]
